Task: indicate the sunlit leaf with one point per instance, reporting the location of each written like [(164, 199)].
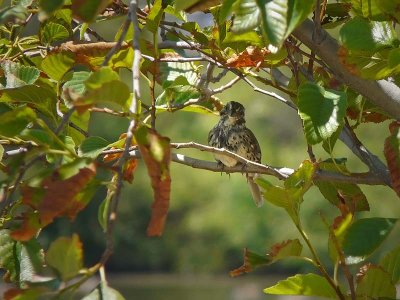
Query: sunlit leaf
[(8, 255), (356, 247), (375, 283), (305, 285), (247, 16), (321, 110), (363, 35), (18, 75), (52, 32), (280, 18), (65, 255), (57, 64), (156, 153)]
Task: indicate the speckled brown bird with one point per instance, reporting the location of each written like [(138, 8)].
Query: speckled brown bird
[(232, 134)]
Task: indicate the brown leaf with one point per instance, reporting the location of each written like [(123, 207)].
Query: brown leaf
[(342, 55), (156, 153), (251, 57), (391, 152), (251, 260), (54, 198)]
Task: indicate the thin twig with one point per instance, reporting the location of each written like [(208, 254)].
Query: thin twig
[(118, 44), (226, 86), (248, 166), (112, 211), (268, 93)]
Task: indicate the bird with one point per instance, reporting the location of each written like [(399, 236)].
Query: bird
[(231, 133)]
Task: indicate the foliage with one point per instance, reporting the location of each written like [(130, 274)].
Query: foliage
[(55, 77)]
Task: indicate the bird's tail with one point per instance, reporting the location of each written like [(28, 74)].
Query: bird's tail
[(255, 190)]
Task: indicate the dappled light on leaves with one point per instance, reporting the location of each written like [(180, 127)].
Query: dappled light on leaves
[(156, 154)]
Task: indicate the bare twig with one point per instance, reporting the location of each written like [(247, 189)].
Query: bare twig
[(117, 45), (112, 212), (268, 93), (226, 86), (248, 166)]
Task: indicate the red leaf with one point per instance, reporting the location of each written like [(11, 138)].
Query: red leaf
[(251, 260), (156, 153), (392, 155), (251, 57), (56, 197)]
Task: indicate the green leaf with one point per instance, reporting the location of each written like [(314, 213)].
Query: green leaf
[(305, 285), (356, 246), (299, 10), (13, 14), (103, 291), (322, 111), (375, 283), (247, 16), (18, 75), (93, 146), (361, 35), (31, 263), (351, 193), (77, 83), (98, 78), (41, 98), (274, 15), (291, 196), (65, 255), (110, 92), (50, 6), (87, 10), (278, 251), (391, 264), (226, 9), (374, 66), (13, 122), (281, 17), (368, 9), (8, 260), (52, 32), (154, 16), (57, 64), (170, 71), (184, 4), (390, 7)]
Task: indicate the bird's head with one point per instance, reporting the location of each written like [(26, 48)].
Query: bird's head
[(232, 113)]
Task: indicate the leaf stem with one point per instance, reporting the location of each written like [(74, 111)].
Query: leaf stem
[(319, 265)]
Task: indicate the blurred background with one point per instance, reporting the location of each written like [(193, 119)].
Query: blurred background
[(212, 217)]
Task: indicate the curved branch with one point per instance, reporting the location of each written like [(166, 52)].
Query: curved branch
[(280, 173), (382, 93)]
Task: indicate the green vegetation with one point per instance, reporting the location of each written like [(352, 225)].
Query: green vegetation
[(106, 105)]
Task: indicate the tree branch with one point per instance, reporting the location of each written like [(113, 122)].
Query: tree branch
[(382, 93)]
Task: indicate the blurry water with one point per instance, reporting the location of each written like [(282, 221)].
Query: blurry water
[(179, 287)]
